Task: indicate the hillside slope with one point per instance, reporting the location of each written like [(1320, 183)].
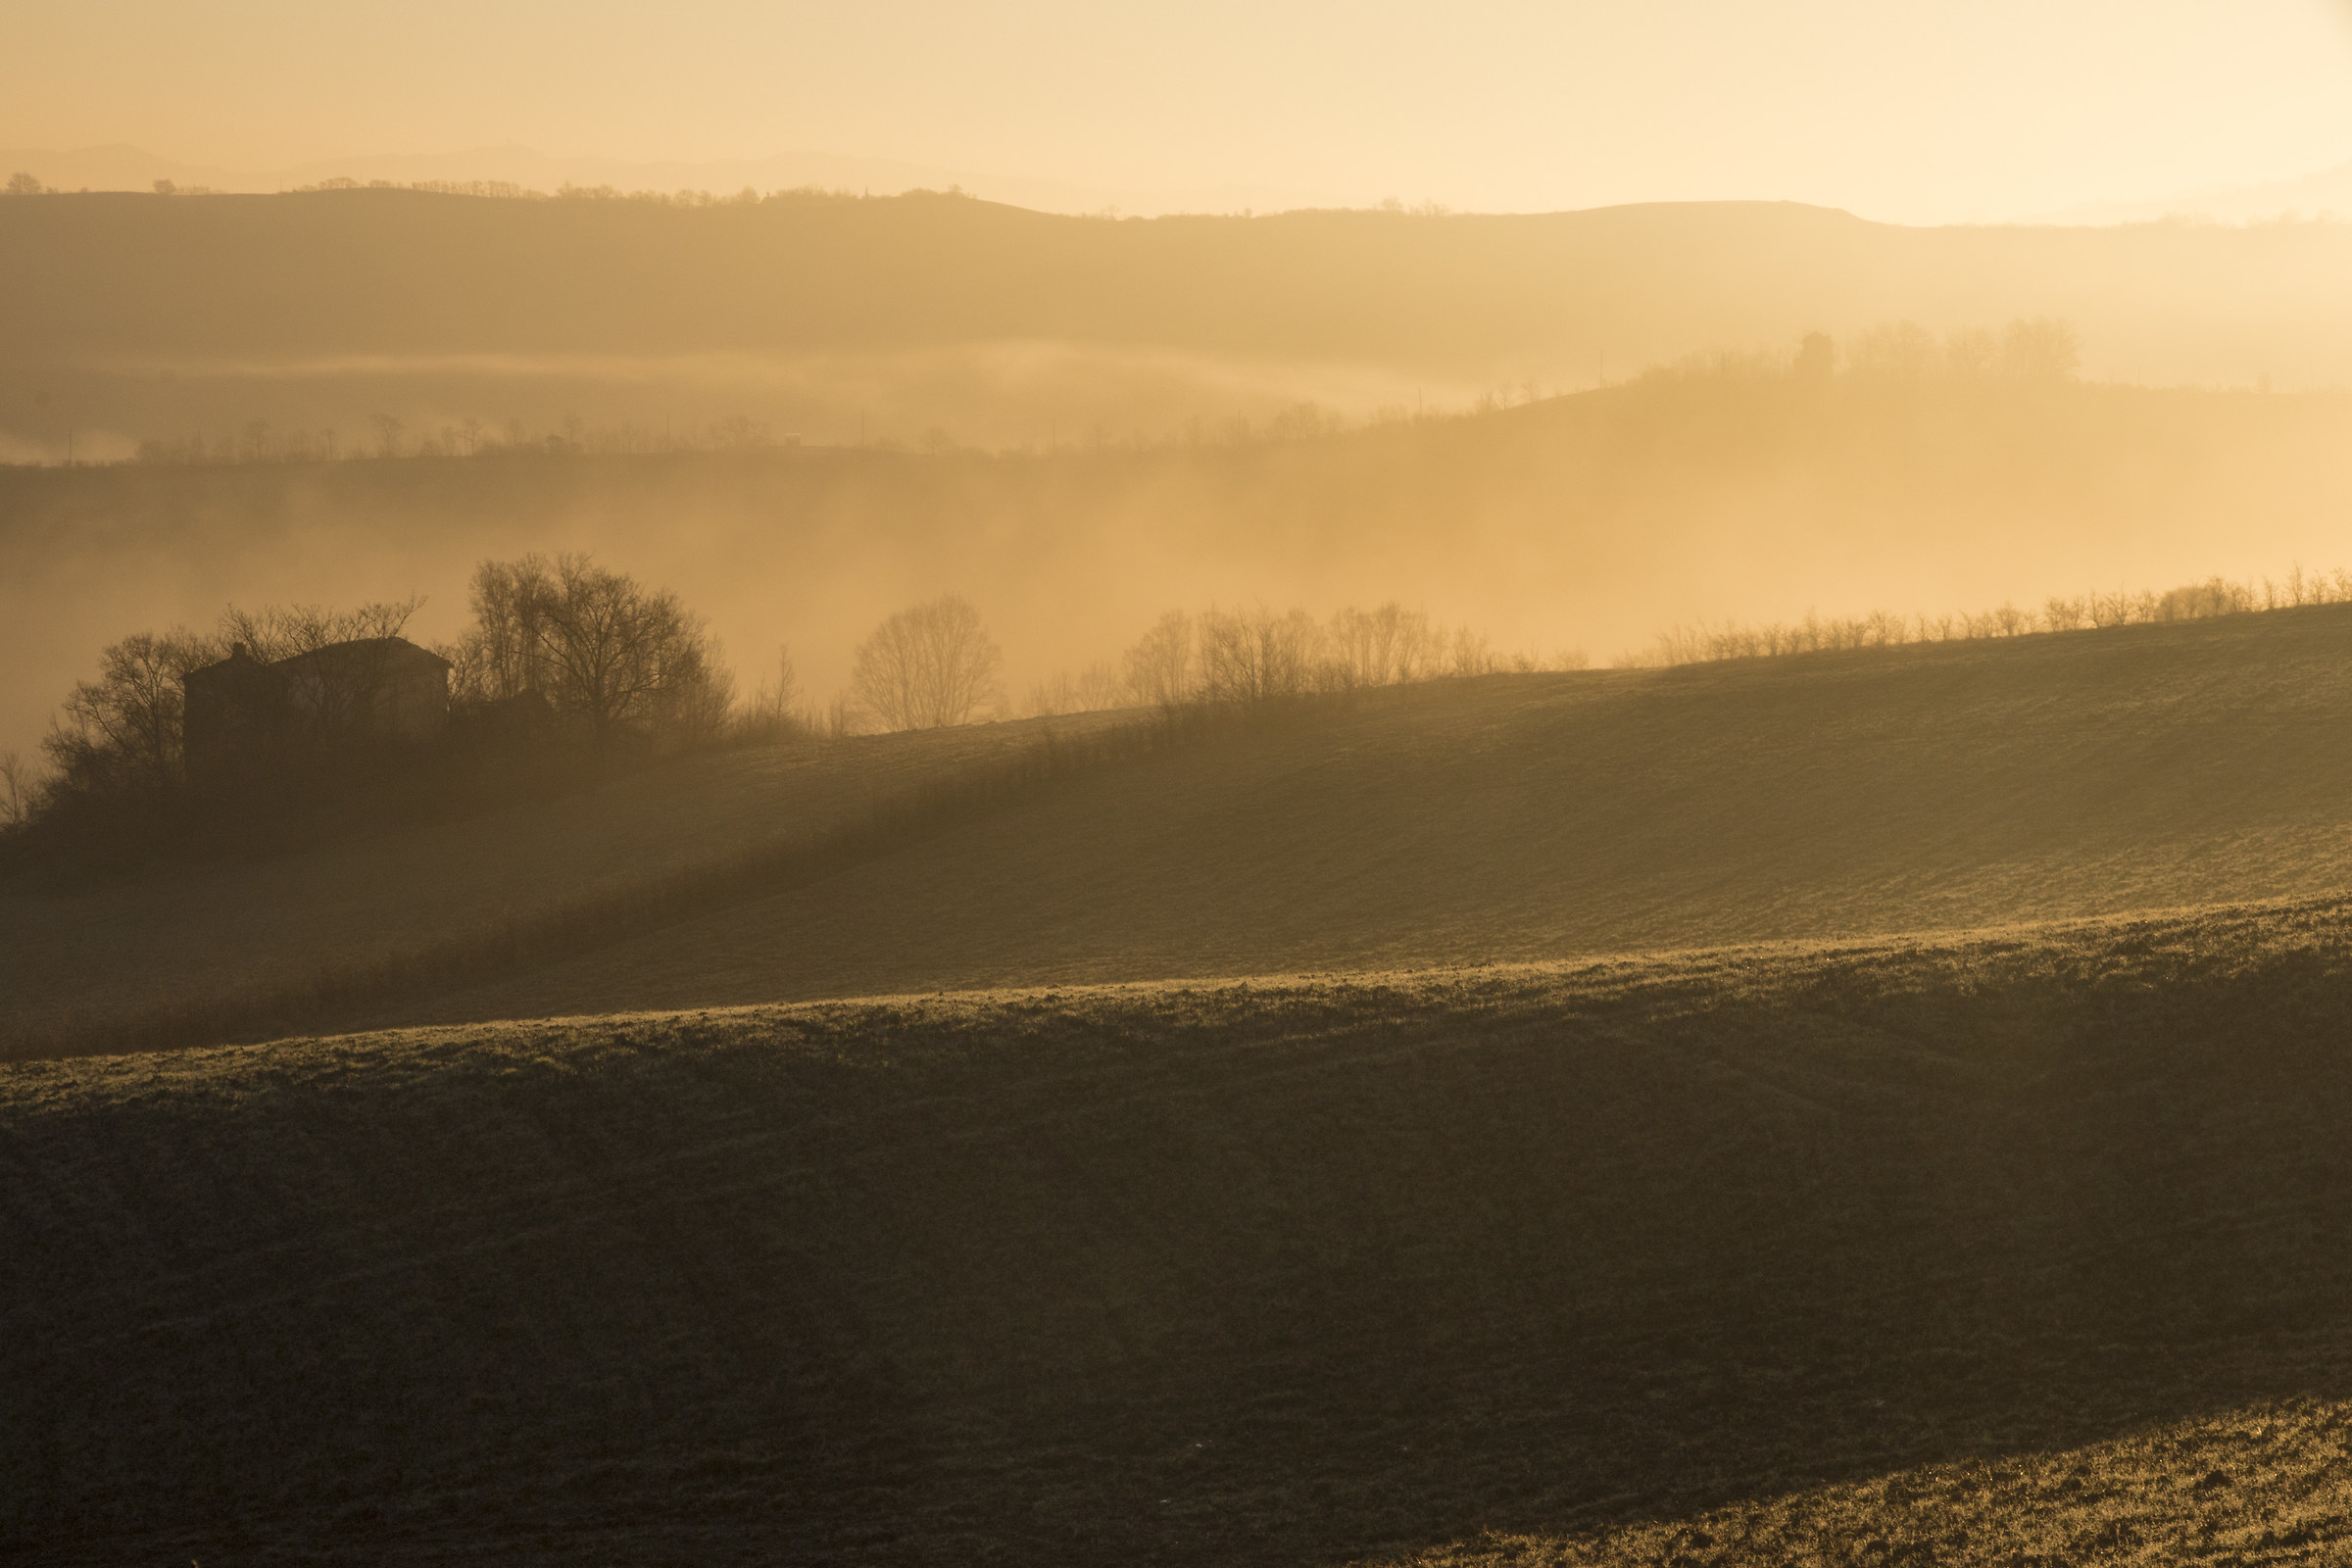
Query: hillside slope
[(69, 951), (2029, 1240), (1508, 817), (1534, 816)]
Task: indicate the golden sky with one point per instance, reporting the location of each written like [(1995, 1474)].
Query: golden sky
[(1896, 109)]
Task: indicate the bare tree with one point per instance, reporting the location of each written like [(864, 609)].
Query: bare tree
[(774, 712), (1160, 667), (281, 631), (20, 784), (615, 649), (598, 645), (1471, 654), (1249, 655), (501, 656), (123, 729), (1385, 647), (928, 666)]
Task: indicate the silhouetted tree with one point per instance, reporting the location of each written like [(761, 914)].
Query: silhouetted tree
[(122, 731), (774, 712), (20, 786), (1249, 655), (1385, 647), (499, 658), (928, 666), (599, 646), (1159, 667)]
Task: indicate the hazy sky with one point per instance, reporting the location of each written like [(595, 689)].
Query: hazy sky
[(1898, 109)]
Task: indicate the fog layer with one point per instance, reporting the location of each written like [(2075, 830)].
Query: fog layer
[(1594, 520), (132, 316)]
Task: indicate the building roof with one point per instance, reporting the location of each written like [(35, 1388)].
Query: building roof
[(393, 653), (393, 650), (238, 664)]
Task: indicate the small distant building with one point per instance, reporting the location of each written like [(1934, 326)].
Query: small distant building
[(376, 688)]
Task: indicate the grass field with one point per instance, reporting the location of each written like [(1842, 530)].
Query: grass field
[(2022, 1246), (1532, 817), (1510, 817), (98, 951)]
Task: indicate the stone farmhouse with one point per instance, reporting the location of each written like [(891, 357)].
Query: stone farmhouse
[(242, 710)]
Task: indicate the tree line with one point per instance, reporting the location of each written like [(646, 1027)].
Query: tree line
[(2196, 600), (565, 670), (568, 669), (388, 435), (1258, 653), (2028, 352)]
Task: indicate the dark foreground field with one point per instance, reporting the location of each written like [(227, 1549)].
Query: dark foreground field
[(2030, 1246)]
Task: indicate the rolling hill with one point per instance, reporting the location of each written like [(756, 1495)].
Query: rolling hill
[(84, 949), (2021, 1246), (338, 272), (1503, 818), (1527, 817), (360, 321)]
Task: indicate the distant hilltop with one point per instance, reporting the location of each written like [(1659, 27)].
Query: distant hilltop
[(120, 167), (135, 279)]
